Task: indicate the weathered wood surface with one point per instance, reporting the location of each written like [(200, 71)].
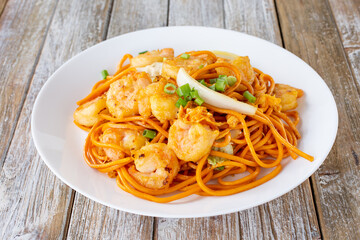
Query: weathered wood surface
[(310, 32), (19, 48), (93, 220), (2, 5), (34, 203)]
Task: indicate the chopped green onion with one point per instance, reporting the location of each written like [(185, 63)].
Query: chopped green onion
[(201, 66), (184, 90), (199, 101), (231, 80), (185, 56), (104, 74), (194, 94), (249, 97), (143, 52), (179, 93), (202, 81), (170, 88), (220, 168), (212, 87), (213, 80), (220, 85), (149, 133), (180, 102), (222, 77)]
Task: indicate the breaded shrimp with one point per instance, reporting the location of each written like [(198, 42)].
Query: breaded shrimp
[(156, 166), (193, 134), (154, 100), (192, 64), (128, 139), (243, 64), (122, 95), (87, 114), (288, 96), (148, 58)]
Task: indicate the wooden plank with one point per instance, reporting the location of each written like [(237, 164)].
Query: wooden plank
[(290, 216), (18, 38), (347, 17), (93, 220), (2, 5), (310, 32), (218, 227), (198, 13), (34, 203)]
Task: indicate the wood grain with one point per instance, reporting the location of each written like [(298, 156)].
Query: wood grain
[(311, 33), (93, 220), (290, 216), (347, 17), (218, 227), (34, 203), (196, 13), (2, 5), (18, 38)]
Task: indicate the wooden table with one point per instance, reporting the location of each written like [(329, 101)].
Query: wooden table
[(38, 36)]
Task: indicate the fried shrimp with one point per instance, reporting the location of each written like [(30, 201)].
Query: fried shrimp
[(128, 139), (193, 134), (155, 167), (193, 63), (122, 95), (288, 96), (151, 57), (153, 100)]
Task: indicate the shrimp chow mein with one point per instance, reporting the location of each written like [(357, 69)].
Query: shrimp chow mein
[(167, 126)]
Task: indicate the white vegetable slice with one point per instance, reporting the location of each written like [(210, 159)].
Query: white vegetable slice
[(214, 98)]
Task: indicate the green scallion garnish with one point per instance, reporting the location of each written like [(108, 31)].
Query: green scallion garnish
[(181, 102), (202, 81), (249, 97), (194, 94), (143, 52), (212, 87), (220, 168), (149, 133), (201, 66), (231, 80), (213, 80), (199, 101), (220, 85), (184, 90), (104, 73), (170, 88), (185, 56)]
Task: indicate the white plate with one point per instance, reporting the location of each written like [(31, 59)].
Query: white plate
[(60, 142)]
